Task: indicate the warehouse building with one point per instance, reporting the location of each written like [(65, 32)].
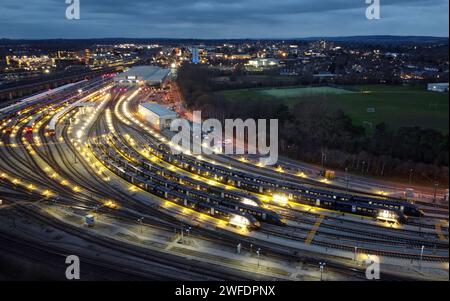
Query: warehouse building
[(157, 115), (143, 75), (263, 63)]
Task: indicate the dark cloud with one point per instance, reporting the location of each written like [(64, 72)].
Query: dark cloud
[(220, 18)]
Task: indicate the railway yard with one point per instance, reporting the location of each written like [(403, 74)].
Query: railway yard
[(85, 151)]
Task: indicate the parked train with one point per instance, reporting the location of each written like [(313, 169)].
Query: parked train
[(365, 209), (135, 157), (190, 197), (263, 185), (30, 124), (241, 201), (377, 208), (232, 216)]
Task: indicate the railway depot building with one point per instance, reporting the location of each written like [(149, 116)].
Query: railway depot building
[(157, 115), (143, 75)]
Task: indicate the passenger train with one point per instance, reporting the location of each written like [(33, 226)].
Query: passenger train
[(267, 186), (151, 181), (142, 167), (366, 206)]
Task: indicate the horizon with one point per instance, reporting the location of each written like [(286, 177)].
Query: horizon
[(238, 39)]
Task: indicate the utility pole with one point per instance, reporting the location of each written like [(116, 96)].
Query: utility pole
[(188, 230), (346, 178), (322, 265), (324, 158), (435, 192), (421, 257), (258, 252), (140, 222)]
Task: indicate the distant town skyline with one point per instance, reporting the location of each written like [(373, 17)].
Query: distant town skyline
[(205, 19)]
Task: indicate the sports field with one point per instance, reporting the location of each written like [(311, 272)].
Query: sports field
[(288, 94), (367, 105), (302, 92)]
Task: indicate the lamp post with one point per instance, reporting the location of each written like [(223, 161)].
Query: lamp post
[(324, 158), (435, 192), (96, 207), (346, 178), (258, 252), (322, 265), (188, 230), (354, 259), (421, 256), (410, 175), (140, 222), (182, 234)]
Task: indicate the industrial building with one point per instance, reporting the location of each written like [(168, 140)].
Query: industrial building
[(263, 62), (157, 115), (143, 75), (438, 87)]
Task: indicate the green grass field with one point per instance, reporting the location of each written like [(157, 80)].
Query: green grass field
[(396, 105), (288, 94)]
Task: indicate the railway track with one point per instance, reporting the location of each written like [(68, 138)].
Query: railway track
[(376, 237), (28, 167), (190, 268), (364, 250), (369, 237)]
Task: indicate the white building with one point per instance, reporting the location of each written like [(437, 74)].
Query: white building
[(143, 75), (438, 87), (157, 115), (263, 62)]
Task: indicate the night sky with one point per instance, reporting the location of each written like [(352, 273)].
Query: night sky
[(36, 19)]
